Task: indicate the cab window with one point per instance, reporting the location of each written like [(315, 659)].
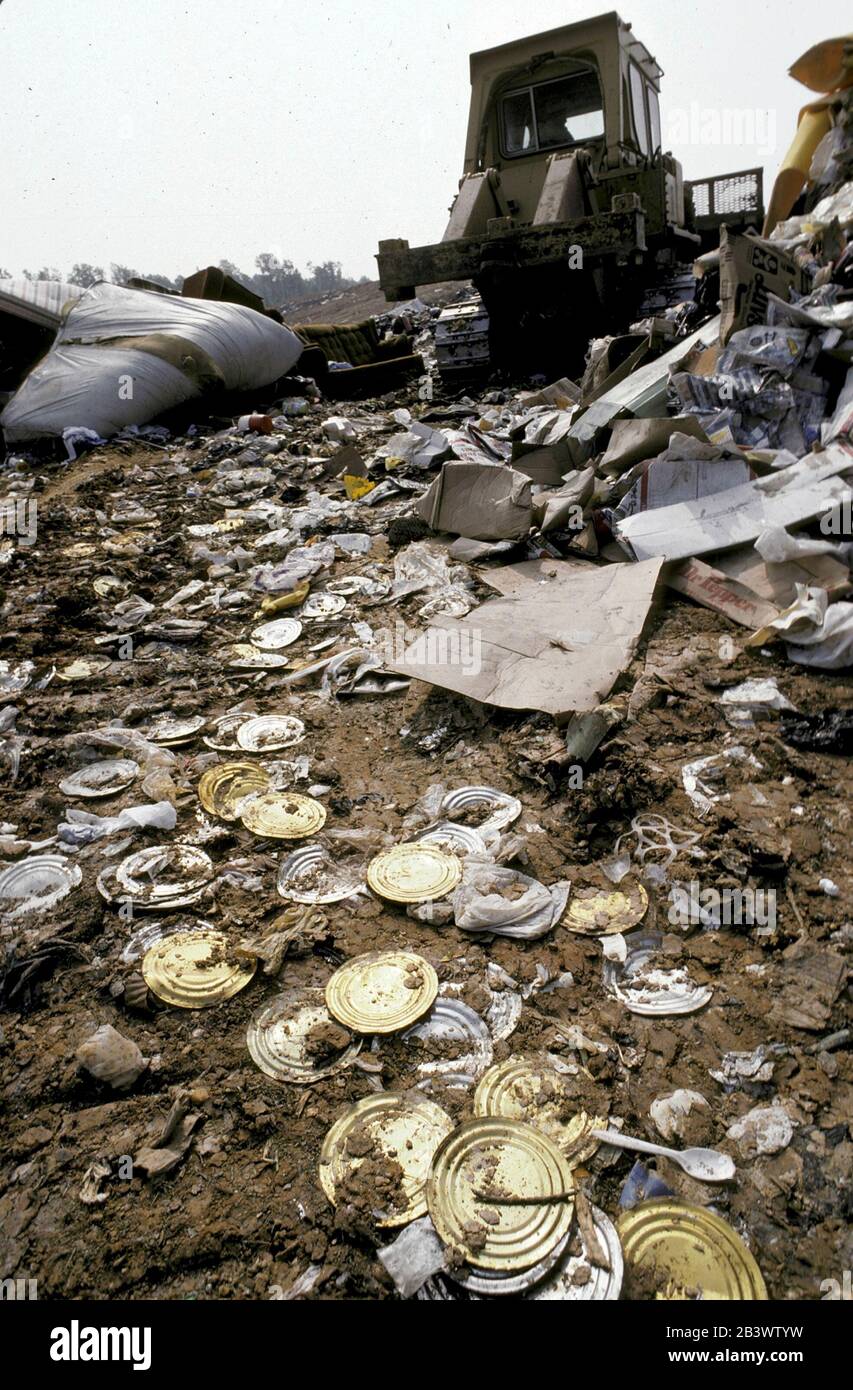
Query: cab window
[(567, 111), (654, 118), (638, 105)]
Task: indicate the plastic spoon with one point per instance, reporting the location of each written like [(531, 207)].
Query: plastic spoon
[(705, 1164)]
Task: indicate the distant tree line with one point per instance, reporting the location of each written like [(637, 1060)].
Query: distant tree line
[(275, 280)]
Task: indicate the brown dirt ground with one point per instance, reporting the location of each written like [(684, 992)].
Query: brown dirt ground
[(244, 1212)]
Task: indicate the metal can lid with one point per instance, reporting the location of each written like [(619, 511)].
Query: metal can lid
[(37, 882), (168, 732), (603, 911), (165, 875), (311, 874), (247, 657), (323, 605), (193, 970), (265, 733), (450, 1020), (453, 837), (106, 777), (562, 1276), (502, 808), (282, 815), (403, 1131), (222, 788), (530, 1090), (224, 736), (278, 633), (280, 1038), (505, 1158), (84, 668), (646, 987), (689, 1251), (602, 1285), (413, 873), (382, 991)]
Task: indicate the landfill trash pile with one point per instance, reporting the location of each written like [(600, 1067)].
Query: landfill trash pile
[(425, 856)]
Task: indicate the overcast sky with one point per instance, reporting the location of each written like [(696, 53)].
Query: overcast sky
[(169, 134)]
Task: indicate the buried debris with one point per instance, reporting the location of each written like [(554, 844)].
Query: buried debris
[(451, 780)]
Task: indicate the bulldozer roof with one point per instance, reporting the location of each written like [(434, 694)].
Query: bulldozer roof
[(607, 27)]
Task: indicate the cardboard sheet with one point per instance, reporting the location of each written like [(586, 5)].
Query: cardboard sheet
[(634, 440), (799, 492), (558, 648), (750, 270), (644, 392), (777, 583), (720, 593), (481, 501)]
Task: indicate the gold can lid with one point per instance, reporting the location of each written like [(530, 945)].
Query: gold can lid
[(507, 1159), (689, 1251), (413, 873), (382, 991), (602, 911), (283, 815), (222, 788), (193, 970), (292, 1038), (84, 668), (530, 1090), (396, 1134)]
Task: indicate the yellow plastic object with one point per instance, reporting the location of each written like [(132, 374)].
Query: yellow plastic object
[(291, 600), (357, 487), (814, 124), (827, 67)]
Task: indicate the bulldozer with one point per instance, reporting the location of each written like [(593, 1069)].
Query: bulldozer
[(570, 217)]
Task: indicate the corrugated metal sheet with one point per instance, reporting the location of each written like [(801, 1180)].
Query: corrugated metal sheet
[(37, 301)]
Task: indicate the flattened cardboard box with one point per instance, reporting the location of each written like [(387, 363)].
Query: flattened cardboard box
[(481, 501), (750, 270), (557, 647)]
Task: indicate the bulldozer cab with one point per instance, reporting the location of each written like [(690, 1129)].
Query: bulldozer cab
[(590, 86), (564, 172)]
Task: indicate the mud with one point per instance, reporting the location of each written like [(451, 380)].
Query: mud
[(242, 1211)]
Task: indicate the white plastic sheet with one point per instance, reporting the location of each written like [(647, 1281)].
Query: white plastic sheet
[(122, 357)]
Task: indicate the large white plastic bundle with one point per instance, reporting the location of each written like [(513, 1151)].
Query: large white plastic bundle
[(122, 357)]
